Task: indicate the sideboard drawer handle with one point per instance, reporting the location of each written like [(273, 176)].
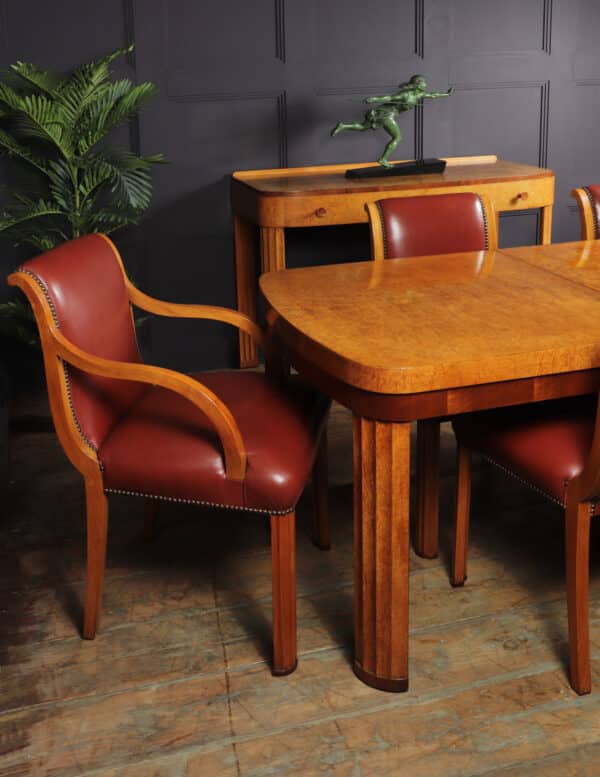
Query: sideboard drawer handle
[(320, 212), (523, 196)]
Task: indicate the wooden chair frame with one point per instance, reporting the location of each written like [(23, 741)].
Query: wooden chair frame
[(582, 495), (428, 430), (589, 228), (58, 350)]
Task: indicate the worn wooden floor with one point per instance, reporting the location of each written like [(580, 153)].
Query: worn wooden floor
[(177, 683)]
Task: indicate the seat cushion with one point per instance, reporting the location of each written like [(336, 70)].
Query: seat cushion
[(545, 444), (164, 446)]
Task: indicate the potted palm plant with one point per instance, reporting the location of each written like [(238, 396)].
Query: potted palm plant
[(56, 126)]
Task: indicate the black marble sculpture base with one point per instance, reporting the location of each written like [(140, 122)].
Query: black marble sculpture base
[(418, 167)]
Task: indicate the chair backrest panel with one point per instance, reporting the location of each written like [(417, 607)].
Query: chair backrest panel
[(84, 285), (436, 224)]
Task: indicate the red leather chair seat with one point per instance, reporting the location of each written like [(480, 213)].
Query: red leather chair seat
[(545, 443), (165, 446)]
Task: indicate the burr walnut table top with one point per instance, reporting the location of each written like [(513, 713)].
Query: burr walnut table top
[(413, 325), (578, 261)]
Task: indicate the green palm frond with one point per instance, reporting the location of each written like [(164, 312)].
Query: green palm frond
[(108, 220), (14, 148), (38, 117), (130, 179), (94, 73), (58, 126), (31, 210), (119, 102), (43, 80), (61, 184)]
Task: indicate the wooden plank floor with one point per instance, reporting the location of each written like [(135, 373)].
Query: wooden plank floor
[(177, 683)]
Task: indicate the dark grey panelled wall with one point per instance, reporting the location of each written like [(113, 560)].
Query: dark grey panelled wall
[(259, 83)]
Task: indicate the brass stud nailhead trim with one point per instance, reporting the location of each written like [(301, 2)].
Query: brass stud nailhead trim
[(65, 366), (593, 209), (485, 225), (525, 482), (179, 500)]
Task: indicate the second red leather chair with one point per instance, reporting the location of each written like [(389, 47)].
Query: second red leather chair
[(555, 448), (417, 226)]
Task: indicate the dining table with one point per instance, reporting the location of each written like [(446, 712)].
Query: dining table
[(400, 340)]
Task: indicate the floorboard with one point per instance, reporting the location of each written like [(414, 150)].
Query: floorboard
[(177, 682)]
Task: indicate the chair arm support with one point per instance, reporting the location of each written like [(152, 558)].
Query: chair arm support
[(586, 216), (199, 395), (211, 312)]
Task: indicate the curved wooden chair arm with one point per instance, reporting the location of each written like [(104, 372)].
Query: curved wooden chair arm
[(210, 312), (588, 228), (376, 231), (492, 221), (199, 395)]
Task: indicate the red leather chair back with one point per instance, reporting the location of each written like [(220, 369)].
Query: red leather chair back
[(84, 285), (436, 224), (593, 193)]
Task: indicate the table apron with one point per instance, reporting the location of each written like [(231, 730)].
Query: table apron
[(448, 402)]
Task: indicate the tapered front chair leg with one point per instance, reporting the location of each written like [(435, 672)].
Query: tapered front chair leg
[(428, 488), (97, 528), (320, 478), (461, 519), (283, 554), (577, 550)]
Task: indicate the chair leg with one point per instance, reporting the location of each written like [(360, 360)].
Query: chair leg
[(577, 551), (320, 479), (97, 528), (461, 520), (283, 555), (428, 488), (150, 518)]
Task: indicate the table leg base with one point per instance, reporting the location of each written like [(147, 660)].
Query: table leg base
[(393, 685), (284, 672), (422, 554)]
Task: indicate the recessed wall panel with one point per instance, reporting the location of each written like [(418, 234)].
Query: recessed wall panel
[(505, 120), (489, 25)]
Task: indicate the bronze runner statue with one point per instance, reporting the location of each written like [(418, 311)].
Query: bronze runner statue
[(384, 116)]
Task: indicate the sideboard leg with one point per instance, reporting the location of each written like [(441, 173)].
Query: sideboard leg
[(546, 225), (243, 233)]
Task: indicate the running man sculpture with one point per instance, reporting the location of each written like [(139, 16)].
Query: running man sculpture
[(384, 115)]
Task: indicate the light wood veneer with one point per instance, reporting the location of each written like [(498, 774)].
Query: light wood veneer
[(421, 338), (318, 196)]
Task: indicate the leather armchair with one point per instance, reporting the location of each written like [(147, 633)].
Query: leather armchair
[(234, 439), (554, 447), (418, 226)]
